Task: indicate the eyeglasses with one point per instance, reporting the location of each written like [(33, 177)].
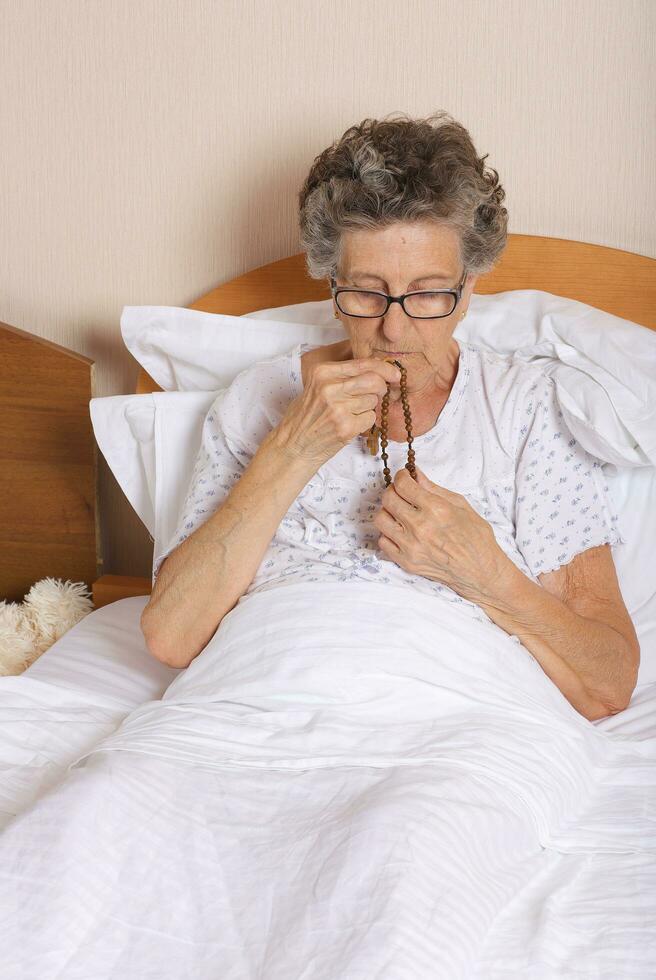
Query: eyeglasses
[(425, 304)]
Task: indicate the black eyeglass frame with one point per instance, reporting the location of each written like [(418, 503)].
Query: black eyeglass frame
[(456, 293)]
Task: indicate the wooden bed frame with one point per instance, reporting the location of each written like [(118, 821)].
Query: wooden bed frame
[(48, 464), (48, 454)]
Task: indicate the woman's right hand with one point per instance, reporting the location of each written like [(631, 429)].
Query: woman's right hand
[(338, 403)]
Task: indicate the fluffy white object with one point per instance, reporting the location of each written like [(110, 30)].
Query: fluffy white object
[(29, 627)]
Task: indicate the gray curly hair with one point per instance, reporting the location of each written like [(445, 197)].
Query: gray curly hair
[(402, 169)]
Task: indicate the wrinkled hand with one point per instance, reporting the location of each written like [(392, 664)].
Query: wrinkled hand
[(431, 531)]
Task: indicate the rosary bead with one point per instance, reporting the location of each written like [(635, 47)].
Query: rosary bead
[(384, 413)]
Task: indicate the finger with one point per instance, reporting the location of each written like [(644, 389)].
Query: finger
[(370, 381), (407, 488), (388, 526), (400, 509), (358, 365), (389, 547), (360, 403)]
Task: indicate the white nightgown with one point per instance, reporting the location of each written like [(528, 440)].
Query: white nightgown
[(500, 441)]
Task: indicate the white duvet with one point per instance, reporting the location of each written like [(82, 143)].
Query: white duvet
[(351, 781)]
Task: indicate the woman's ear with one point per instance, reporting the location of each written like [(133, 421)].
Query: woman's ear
[(469, 287)]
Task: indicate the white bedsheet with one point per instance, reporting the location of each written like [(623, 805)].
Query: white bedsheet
[(70, 698), (282, 852)]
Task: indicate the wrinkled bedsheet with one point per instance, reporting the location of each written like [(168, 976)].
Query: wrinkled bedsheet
[(349, 782)]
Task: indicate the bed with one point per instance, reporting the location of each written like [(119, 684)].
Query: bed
[(580, 914)]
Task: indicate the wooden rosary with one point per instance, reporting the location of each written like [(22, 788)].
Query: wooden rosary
[(374, 432)]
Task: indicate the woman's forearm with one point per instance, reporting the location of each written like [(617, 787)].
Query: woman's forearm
[(587, 660), (205, 576)]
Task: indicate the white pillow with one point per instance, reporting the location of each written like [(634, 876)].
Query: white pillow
[(188, 350), (124, 427), (150, 443), (604, 367), (634, 493)]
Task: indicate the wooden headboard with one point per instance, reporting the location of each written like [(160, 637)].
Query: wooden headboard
[(48, 459), (621, 283)]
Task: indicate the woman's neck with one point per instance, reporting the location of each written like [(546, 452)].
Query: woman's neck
[(426, 400)]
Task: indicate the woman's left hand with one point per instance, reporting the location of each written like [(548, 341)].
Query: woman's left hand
[(431, 531)]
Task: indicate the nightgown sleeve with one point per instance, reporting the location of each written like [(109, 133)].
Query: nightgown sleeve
[(219, 464), (563, 504)]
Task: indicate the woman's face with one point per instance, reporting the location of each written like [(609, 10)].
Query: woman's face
[(397, 259)]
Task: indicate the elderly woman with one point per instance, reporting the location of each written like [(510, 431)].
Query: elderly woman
[(508, 514), (383, 722)]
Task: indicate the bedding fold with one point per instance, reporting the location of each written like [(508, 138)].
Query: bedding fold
[(336, 675)]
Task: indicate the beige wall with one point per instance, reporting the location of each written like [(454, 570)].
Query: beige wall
[(151, 150)]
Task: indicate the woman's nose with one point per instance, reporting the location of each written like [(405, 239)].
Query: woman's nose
[(395, 322)]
